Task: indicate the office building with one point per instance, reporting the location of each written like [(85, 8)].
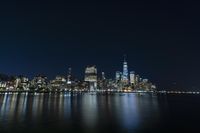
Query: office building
[(91, 77)]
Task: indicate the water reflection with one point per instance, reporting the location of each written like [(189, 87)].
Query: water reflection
[(89, 110), (88, 113), (128, 114)]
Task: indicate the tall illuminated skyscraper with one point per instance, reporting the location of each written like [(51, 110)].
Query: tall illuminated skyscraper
[(132, 77), (118, 76), (125, 78), (69, 76), (91, 77)]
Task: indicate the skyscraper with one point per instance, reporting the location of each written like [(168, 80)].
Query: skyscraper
[(69, 76), (91, 77), (137, 79), (103, 76), (118, 76), (125, 78), (132, 77)]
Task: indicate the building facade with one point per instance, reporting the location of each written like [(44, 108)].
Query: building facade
[(91, 77), (125, 76)]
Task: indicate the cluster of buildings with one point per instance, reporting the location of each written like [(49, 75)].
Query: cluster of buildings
[(124, 81)]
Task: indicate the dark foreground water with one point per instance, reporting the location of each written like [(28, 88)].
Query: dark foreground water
[(85, 113)]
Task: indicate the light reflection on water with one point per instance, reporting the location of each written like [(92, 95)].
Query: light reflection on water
[(87, 113)]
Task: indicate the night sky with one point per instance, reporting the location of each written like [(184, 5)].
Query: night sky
[(160, 38)]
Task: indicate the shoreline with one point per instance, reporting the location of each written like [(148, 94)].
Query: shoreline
[(77, 92), (105, 92)]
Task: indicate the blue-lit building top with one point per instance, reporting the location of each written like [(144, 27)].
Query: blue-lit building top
[(125, 71)]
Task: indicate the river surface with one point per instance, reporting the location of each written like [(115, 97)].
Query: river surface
[(86, 113)]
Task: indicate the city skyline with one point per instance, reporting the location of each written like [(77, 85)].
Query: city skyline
[(159, 38), (68, 71), (107, 66), (110, 74), (122, 82)]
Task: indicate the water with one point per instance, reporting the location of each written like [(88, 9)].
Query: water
[(85, 113)]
